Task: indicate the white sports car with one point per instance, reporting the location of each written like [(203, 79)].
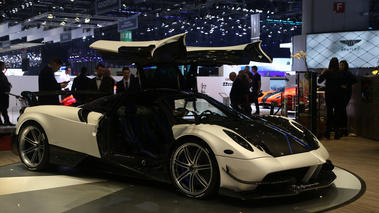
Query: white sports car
[(185, 138)]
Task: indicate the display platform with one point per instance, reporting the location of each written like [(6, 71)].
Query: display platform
[(73, 190)]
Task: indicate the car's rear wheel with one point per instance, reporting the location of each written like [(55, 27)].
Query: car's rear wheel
[(194, 170), (33, 147)]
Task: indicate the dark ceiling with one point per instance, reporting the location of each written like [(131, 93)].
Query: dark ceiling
[(207, 22), (152, 15)]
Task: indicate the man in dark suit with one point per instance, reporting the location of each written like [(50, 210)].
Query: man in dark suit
[(100, 83), (124, 84), (47, 82), (256, 87), (5, 87), (80, 83)]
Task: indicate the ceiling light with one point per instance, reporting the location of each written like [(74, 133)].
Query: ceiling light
[(87, 20), (50, 15), (77, 19), (63, 23)]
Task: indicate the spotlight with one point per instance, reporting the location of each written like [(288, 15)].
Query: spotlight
[(87, 20), (50, 16), (77, 19), (63, 23)]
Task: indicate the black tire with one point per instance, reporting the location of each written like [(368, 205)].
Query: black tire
[(194, 170), (33, 147)]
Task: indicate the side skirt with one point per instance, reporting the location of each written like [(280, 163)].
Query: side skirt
[(65, 157)]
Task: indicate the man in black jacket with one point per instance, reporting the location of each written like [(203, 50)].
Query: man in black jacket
[(5, 87), (102, 84), (124, 84), (256, 87), (239, 92), (80, 83), (47, 82)]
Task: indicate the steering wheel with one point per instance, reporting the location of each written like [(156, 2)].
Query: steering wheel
[(206, 112)]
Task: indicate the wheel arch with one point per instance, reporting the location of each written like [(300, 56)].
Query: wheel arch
[(36, 118)]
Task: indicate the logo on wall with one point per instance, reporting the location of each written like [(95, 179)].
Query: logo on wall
[(359, 48), (350, 43)]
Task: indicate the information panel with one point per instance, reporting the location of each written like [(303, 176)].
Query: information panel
[(103, 6), (359, 48)]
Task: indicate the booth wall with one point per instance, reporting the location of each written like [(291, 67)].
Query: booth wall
[(363, 108)]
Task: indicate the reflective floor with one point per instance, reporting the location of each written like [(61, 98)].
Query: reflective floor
[(74, 190)]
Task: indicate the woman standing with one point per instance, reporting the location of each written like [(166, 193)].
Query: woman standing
[(348, 79), (333, 99)]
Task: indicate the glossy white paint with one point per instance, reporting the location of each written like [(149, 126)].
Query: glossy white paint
[(244, 164), (63, 127)]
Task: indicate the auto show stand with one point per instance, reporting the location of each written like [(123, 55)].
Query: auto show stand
[(64, 189)]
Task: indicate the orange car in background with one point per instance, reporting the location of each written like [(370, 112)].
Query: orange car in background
[(266, 94), (270, 96)]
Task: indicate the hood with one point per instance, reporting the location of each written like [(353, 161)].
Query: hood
[(276, 136)]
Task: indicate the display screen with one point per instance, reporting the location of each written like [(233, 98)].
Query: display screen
[(360, 48)]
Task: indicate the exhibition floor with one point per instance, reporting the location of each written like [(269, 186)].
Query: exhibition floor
[(72, 190)]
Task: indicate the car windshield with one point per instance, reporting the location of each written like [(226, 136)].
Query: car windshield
[(198, 109)]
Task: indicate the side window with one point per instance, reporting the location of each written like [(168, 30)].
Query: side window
[(188, 109)]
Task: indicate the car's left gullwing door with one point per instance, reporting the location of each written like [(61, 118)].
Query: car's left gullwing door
[(142, 52)]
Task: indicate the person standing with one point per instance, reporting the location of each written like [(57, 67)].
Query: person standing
[(80, 83), (232, 76), (256, 88), (100, 83), (124, 84), (108, 73), (48, 83), (348, 79), (333, 98), (246, 69), (239, 92), (65, 76), (5, 87)]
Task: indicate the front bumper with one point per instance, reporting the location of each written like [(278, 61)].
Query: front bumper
[(285, 183)]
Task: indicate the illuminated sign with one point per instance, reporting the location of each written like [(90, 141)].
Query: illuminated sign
[(359, 48)]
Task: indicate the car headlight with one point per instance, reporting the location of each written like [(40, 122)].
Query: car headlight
[(242, 142)]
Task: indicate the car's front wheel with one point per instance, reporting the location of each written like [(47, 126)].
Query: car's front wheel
[(194, 170), (33, 147)]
